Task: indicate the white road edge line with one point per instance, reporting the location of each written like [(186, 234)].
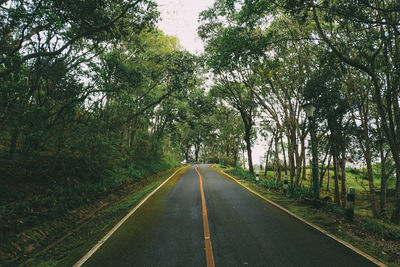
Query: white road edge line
[(104, 239), (348, 245)]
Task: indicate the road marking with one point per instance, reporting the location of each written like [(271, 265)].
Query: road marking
[(207, 237), (348, 245), (107, 236)]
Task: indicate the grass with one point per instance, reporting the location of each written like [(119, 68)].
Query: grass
[(363, 207), (377, 237)]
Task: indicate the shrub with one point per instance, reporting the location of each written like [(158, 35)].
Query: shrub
[(353, 170), (293, 190), (243, 174), (374, 226), (228, 161), (272, 184), (300, 191), (332, 207), (380, 229)]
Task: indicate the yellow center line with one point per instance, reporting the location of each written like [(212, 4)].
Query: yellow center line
[(207, 237)]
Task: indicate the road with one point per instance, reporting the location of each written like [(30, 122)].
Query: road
[(244, 230)]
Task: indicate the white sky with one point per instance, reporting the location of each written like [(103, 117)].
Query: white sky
[(180, 18)]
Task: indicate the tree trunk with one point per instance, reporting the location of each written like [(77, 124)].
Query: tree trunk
[(196, 152), (277, 164), (299, 163), (323, 170), (372, 196), (303, 156), (284, 155), (248, 147), (384, 178), (343, 181), (335, 168), (291, 158), (396, 213), (267, 157), (329, 175), (236, 154)]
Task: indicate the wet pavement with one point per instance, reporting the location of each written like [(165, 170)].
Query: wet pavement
[(244, 230)]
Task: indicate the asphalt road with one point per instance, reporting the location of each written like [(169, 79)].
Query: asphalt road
[(244, 231)]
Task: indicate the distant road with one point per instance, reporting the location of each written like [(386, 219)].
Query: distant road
[(169, 230)]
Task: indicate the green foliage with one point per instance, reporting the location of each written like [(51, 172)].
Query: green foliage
[(228, 161), (332, 207), (85, 103), (295, 191), (271, 184), (59, 198), (380, 229), (300, 191), (353, 170), (243, 174)]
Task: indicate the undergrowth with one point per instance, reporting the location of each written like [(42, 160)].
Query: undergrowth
[(20, 209)]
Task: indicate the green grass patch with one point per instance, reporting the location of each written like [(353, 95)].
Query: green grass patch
[(242, 174)]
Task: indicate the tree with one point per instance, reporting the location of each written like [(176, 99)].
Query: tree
[(365, 37)]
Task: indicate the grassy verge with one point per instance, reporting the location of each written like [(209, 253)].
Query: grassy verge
[(64, 240), (377, 238)]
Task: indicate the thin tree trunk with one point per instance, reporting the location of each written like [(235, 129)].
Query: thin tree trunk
[(343, 181), (323, 170), (248, 147), (291, 158), (267, 156), (299, 164), (277, 164), (372, 196), (335, 168), (396, 213), (384, 178), (284, 155), (303, 156), (329, 176)]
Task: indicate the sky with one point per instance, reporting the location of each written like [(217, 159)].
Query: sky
[(180, 18)]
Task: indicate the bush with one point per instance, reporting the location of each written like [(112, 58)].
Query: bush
[(380, 229), (270, 166), (293, 190), (353, 170), (374, 226), (243, 174), (272, 184), (332, 207), (300, 191), (228, 161)]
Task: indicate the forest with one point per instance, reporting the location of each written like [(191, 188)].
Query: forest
[(94, 96)]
